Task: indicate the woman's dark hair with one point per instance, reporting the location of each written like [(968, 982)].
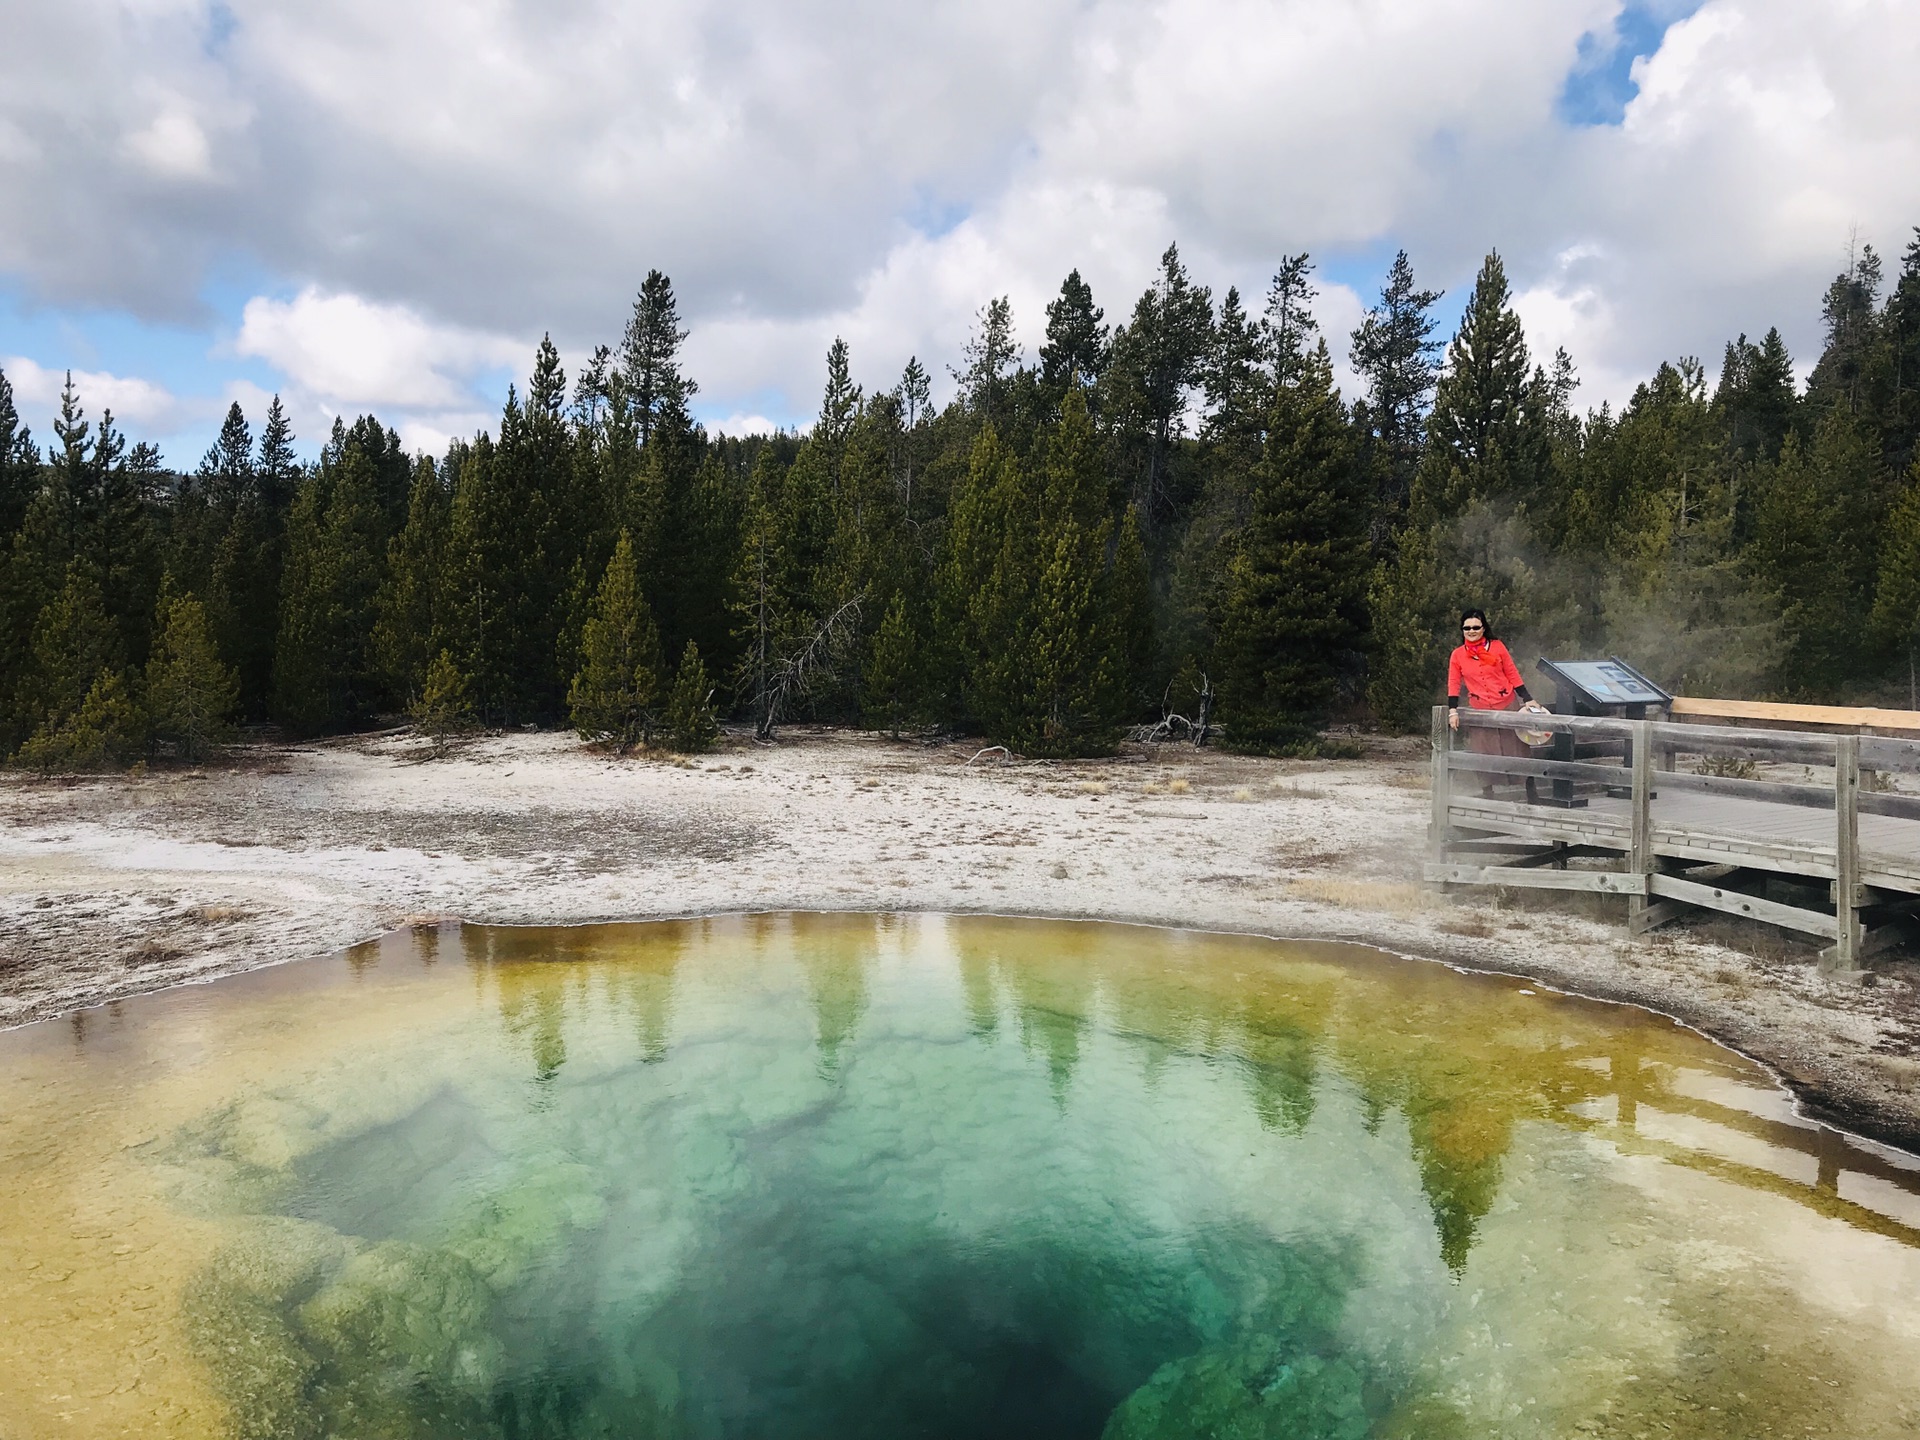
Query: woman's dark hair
[(1486, 627)]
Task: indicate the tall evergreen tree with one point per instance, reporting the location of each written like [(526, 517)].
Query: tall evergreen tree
[(1844, 373), (1158, 358), (614, 694), (276, 469), (650, 355), (1814, 547), (1237, 384), (1394, 352), (411, 629), (839, 405), (1075, 350), (992, 354), (1477, 446), (1900, 419), (1756, 397), (1895, 621), (19, 466), (75, 643), (190, 692), (1046, 659), (1293, 603), (325, 675), (1288, 326)]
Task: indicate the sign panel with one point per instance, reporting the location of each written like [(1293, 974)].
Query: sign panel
[(1607, 682)]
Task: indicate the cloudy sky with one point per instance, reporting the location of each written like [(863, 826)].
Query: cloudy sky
[(378, 206)]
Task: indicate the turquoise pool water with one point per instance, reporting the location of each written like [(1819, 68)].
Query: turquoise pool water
[(799, 1176)]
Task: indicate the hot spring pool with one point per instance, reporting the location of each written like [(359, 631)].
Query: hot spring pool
[(800, 1176)]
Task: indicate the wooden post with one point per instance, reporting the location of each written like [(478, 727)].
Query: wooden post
[(1640, 833), (1844, 956), (1438, 826)]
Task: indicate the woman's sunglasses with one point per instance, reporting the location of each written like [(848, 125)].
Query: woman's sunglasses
[(1473, 629)]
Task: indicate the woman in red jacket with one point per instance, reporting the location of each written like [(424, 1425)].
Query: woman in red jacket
[(1482, 676)]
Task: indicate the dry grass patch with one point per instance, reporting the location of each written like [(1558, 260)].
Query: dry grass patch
[(1392, 897), (1179, 787), (1294, 790), (1092, 787)]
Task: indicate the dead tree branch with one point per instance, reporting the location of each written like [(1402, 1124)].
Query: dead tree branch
[(812, 663)]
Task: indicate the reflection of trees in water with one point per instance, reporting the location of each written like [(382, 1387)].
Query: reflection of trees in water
[(537, 973), (1053, 992), (835, 963), (1463, 1065)]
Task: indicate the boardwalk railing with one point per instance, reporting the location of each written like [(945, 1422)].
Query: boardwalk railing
[(1683, 818)]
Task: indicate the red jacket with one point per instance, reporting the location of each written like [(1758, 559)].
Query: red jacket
[(1486, 672)]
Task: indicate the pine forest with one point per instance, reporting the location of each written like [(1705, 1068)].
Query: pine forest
[(1173, 514)]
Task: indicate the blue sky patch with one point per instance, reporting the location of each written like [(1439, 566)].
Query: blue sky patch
[(1600, 84)]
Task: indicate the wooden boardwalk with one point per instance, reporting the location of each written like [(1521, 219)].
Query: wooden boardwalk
[(1674, 815)]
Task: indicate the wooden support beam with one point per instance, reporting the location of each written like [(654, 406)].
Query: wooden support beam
[(1653, 914), (1442, 787), (1606, 882), (1640, 857), (1737, 902), (1884, 937), (1844, 954)]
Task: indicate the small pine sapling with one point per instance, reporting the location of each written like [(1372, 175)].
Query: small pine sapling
[(691, 726), (445, 707)]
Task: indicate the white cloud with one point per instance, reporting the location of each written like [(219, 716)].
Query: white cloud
[(345, 351), (173, 144), (133, 401), (740, 423)]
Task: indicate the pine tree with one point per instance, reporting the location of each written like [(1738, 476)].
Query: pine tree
[(1756, 400), (19, 467), (992, 354), (915, 394), (1289, 329), (77, 702), (324, 670), (1814, 548), (892, 679), (443, 708), (613, 694), (1237, 384), (1076, 347), (190, 692), (74, 643), (690, 723), (405, 634), (276, 469), (1158, 358), (1393, 351), (649, 355), (1895, 621), (105, 732), (1040, 602), (1843, 375), (839, 406), (1900, 323), (1477, 446), (1294, 599)]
